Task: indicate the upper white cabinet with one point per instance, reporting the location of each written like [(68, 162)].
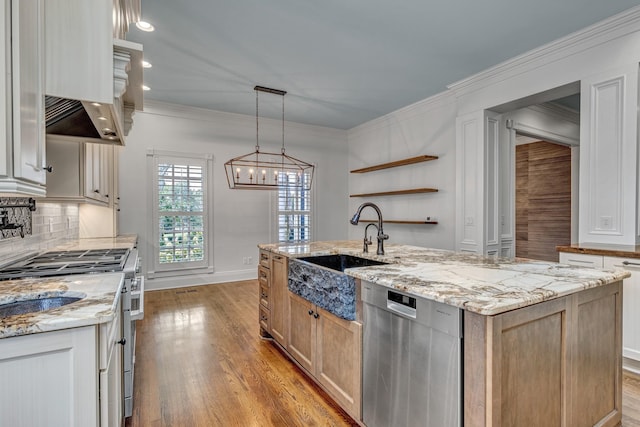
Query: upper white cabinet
[(88, 62), (22, 149), (81, 172)]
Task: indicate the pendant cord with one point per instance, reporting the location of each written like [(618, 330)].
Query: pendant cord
[(257, 140), (282, 124)]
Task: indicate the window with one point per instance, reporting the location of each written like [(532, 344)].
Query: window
[(180, 208), (294, 212)]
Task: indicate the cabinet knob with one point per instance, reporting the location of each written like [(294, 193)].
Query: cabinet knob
[(96, 191), (263, 317), (310, 312), (106, 195), (316, 315), (264, 295), (122, 341), (48, 168)]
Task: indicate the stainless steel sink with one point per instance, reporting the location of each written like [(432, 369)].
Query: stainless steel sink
[(340, 262), (34, 305)]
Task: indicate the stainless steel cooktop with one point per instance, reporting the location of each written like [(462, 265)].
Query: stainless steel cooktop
[(57, 263)]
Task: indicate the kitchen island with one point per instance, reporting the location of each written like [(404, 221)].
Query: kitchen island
[(542, 341)]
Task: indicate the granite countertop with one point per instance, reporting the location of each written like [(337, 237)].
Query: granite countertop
[(483, 285), (100, 291), (624, 251)]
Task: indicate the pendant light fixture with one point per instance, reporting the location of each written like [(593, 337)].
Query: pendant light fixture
[(268, 171)]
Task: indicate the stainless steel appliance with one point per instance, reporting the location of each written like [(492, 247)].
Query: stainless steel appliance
[(412, 366), (58, 263)]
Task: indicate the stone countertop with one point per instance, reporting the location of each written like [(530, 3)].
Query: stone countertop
[(100, 291), (623, 251), (483, 285), (127, 241)]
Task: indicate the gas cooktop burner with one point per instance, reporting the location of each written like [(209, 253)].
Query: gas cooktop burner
[(58, 263)]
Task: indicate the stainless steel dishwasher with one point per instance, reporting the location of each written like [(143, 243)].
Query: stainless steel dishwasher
[(412, 365)]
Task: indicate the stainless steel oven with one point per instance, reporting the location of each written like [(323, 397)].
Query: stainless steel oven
[(57, 263)]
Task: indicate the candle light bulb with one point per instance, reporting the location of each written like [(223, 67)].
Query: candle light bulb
[(238, 174)]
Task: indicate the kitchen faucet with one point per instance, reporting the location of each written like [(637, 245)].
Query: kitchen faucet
[(381, 236)]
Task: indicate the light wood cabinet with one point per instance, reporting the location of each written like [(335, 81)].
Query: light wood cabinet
[(330, 349), (264, 292), (278, 299), (22, 147), (556, 363)]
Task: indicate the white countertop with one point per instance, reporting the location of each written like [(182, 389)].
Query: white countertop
[(483, 285)]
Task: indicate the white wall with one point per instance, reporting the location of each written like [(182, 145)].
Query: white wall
[(242, 218), (427, 127)]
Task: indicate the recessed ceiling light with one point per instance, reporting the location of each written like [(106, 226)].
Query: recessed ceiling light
[(106, 130), (102, 118), (96, 104), (145, 26), (145, 87), (146, 64)]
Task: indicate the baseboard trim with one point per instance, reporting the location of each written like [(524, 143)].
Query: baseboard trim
[(199, 279)]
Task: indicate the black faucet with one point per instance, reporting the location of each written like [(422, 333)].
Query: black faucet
[(381, 236)]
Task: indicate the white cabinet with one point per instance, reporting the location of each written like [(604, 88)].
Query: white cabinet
[(49, 379), (22, 147), (71, 377), (581, 260), (80, 172), (630, 310)]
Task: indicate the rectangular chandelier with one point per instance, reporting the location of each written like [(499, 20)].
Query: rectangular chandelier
[(268, 171)]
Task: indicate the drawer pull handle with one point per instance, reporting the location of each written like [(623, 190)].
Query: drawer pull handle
[(278, 257), (630, 263)]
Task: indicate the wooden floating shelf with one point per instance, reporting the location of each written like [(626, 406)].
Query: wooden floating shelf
[(398, 192), (403, 162), (396, 221)]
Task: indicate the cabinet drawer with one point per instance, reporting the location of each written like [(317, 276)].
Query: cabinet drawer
[(264, 295), (582, 260), (264, 318), (263, 276), (264, 259)]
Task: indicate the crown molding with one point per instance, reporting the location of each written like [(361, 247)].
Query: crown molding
[(601, 32)]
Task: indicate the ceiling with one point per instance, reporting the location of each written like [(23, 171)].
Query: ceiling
[(342, 63)]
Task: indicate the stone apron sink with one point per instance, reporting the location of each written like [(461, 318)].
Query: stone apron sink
[(321, 280), (34, 305)]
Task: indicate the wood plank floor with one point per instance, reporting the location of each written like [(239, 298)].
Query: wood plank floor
[(200, 362)]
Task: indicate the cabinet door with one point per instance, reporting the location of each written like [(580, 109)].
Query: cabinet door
[(97, 164), (302, 331), (630, 305), (49, 379), (111, 410), (28, 82), (279, 303), (339, 359)]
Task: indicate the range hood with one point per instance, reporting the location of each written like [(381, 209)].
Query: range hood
[(89, 121)]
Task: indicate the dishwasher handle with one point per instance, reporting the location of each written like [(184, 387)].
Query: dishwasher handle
[(401, 304), (401, 309)]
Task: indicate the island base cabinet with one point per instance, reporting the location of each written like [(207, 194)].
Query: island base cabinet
[(279, 303), (330, 349), (44, 381), (556, 363)]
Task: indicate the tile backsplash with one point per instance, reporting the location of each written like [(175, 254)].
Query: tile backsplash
[(52, 224)]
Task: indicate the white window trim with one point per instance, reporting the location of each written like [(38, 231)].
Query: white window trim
[(206, 267), (274, 232)]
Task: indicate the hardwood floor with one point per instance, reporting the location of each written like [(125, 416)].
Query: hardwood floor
[(200, 362)]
